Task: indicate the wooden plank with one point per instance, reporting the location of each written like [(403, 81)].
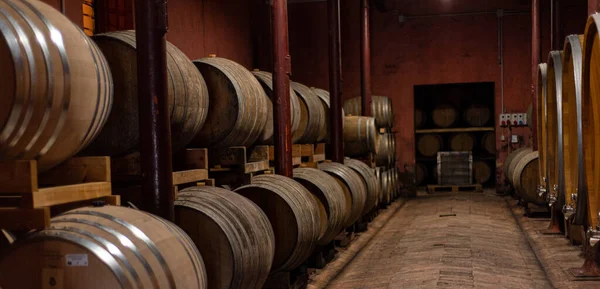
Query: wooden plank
[(256, 167), (78, 170), (196, 158), (19, 219), (460, 129), (73, 193), (296, 161), (272, 153), (231, 156), (209, 182), (296, 151), (318, 158), (307, 150), (18, 177), (189, 176), (320, 148), (259, 153)]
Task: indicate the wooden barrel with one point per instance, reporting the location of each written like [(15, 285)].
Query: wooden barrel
[(420, 118), (106, 247), (512, 160), (232, 234), (56, 85), (573, 125), (542, 122), (488, 142), (444, 115), (386, 187), (368, 176), (482, 172), (429, 145), (360, 135), (266, 81), (331, 195), (188, 97), (421, 174), (381, 109), (312, 114), (555, 127), (324, 98), (462, 142), (353, 182), (237, 113), (477, 115), (294, 215), (525, 177), (386, 149)]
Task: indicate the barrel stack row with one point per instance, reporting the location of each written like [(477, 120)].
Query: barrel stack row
[(446, 115), (66, 95), (564, 172)]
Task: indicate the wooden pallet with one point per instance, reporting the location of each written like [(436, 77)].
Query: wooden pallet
[(236, 166), (304, 155), (28, 198), (453, 188)]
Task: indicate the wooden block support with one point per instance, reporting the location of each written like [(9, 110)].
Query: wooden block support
[(16, 219), (18, 177), (196, 159), (77, 171), (189, 176)]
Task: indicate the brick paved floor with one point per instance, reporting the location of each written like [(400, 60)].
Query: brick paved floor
[(447, 241)]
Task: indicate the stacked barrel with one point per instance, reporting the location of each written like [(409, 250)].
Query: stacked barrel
[(59, 86), (372, 140)]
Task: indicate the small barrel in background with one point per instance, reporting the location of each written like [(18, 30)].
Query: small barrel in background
[(354, 184), (187, 94), (462, 142), (266, 81), (360, 135), (512, 160), (294, 215), (312, 114), (331, 195), (370, 180), (237, 113), (524, 176), (381, 109), (232, 234), (421, 174), (420, 118), (482, 172), (429, 145), (477, 115), (325, 128), (56, 85), (488, 143), (106, 247), (444, 115), (386, 149)]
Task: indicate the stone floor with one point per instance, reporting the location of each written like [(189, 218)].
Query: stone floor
[(463, 240)]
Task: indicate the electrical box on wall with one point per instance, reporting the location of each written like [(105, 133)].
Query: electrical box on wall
[(504, 120), (514, 119)]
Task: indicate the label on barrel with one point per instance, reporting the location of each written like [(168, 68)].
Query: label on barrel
[(77, 260)]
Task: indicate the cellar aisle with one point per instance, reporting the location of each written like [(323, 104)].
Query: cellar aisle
[(464, 240)]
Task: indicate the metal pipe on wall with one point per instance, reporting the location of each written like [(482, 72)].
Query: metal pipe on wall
[(535, 60), (335, 71), (155, 130), (281, 88), (365, 58)]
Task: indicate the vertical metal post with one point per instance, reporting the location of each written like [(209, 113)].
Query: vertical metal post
[(335, 71), (281, 88), (155, 130), (535, 60), (365, 57)]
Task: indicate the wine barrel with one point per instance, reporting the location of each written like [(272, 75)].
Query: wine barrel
[(512, 161), (324, 98), (509, 159), (266, 81), (360, 135), (370, 180), (444, 115), (420, 118), (106, 247), (462, 142), (477, 115), (232, 234), (386, 187), (421, 173), (555, 128), (381, 109), (542, 123), (294, 215), (312, 114), (187, 97), (237, 113), (386, 149), (354, 184), (429, 145), (488, 142), (482, 172), (331, 195), (590, 117), (56, 85), (525, 177)]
